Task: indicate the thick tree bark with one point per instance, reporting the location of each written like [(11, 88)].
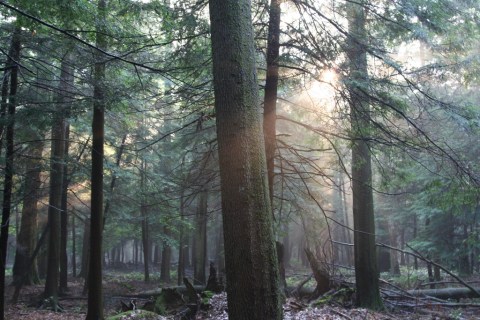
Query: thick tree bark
[(14, 54), (271, 89), (95, 289), (250, 254), (366, 272)]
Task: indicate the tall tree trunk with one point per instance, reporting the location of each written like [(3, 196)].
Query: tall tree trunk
[(135, 258), (55, 204), (347, 220), (114, 177), (157, 254), (85, 249), (343, 229), (95, 289), (181, 242), (415, 228), (366, 272), (271, 89), (250, 253), (74, 248), (464, 258), (395, 267), (199, 263), (146, 244), (220, 252), (14, 54), (57, 214), (66, 84), (27, 236), (145, 231)]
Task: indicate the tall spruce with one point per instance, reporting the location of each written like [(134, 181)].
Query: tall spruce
[(250, 255), (95, 289), (366, 270), (271, 91), (12, 64)]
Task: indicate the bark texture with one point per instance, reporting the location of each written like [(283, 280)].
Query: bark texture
[(250, 257), (366, 271)]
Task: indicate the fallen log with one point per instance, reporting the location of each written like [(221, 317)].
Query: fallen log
[(445, 293), (156, 292)]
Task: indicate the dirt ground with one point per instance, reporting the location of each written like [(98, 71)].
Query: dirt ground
[(115, 290)]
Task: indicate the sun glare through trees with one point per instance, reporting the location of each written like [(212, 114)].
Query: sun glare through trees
[(239, 159)]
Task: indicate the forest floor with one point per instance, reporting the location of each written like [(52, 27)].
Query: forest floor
[(120, 287)]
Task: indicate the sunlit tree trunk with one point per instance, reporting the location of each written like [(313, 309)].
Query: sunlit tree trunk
[(250, 254), (95, 289), (366, 271), (271, 89)]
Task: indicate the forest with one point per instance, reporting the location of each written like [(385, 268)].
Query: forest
[(240, 159)]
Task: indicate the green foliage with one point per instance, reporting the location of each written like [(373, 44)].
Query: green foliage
[(206, 296)]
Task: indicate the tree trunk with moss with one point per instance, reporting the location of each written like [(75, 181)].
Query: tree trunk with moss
[(366, 271), (250, 255)]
